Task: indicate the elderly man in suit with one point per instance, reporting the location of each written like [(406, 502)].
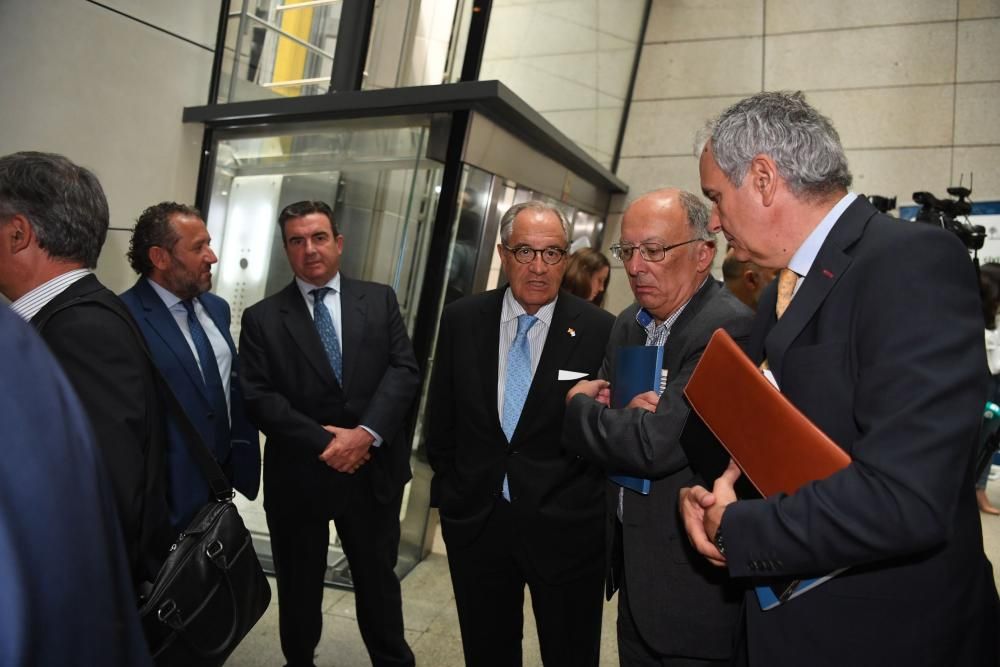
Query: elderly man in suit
[(880, 344), (53, 222), (672, 608), (187, 331), (329, 377), (516, 508)]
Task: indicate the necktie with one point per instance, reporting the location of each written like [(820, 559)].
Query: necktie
[(327, 332), (516, 382), (786, 287), (213, 381)]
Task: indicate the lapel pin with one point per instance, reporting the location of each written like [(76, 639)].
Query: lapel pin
[(571, 331), (828, 273)]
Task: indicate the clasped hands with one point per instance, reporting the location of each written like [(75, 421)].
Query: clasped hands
[(349, 448), (702, 511)]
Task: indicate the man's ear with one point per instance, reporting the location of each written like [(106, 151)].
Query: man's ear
[(706, 253), (18, 233), (763, 175), (750, 278), (159, 258)]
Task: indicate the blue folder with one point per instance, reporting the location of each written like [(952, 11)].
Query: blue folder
[(638, 369)]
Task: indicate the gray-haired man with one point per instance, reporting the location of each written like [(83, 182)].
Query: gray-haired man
[(673, 609)]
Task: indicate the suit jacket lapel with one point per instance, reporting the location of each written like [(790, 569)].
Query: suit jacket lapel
[(303, 331), (827, 269), (353, 315), (488, 347), (162, 321)]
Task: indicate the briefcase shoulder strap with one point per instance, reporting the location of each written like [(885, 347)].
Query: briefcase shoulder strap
[(217, 481)]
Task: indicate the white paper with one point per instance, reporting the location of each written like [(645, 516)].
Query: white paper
[(571, 375)]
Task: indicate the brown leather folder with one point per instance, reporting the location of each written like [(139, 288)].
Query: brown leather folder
[(776, 446)]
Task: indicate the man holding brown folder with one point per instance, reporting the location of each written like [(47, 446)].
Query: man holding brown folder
[(673, 609), (874, 333)]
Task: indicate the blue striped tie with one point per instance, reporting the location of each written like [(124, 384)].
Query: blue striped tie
[(327, 332), (516, 382)]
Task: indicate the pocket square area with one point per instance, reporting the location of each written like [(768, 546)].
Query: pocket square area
[(571, 375)]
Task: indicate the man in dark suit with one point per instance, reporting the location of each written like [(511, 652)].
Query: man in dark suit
[(187, 330), (73, 521), (881, 346), (673, 608), (329, 376), (53, 222), (516, 508)]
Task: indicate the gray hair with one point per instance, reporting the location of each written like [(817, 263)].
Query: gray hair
[(801, 141), (64, 203), (507, 221), (697, 215)]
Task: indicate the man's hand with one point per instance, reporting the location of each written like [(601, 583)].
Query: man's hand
[(599, 390), (702, 511), (348, 449), (647, 400)]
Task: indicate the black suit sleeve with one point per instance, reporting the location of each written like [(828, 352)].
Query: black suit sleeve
[(267, 406), (390, 404), (634, 441), (109, 379)]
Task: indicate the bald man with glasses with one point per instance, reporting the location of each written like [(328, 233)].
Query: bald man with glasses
[(673, 609), (516, 508)]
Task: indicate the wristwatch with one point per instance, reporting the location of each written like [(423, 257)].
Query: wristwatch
[(719, 543)]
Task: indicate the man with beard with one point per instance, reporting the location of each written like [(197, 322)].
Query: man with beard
[(187, 330)]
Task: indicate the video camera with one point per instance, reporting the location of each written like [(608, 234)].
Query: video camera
[(945, 212)]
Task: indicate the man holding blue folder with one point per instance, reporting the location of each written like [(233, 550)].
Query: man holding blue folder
[(673, 610)]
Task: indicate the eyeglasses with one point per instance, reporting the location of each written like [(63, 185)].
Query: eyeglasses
[(526, 254), (651, 252)]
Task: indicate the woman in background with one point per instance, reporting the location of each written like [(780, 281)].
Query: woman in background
[(587, 275)]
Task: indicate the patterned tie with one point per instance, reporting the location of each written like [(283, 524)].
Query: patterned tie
[(786, 287), (213, 381), (517, 382), (327, 332)]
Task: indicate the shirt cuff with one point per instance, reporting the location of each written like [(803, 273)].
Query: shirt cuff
[(378, 438)]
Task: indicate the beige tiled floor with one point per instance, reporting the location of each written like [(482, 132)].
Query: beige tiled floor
[(432, 624)]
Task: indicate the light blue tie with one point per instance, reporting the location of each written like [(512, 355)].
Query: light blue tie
[(516, 382), (327, 332)]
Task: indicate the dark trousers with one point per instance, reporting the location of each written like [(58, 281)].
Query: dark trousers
[(489, 577), (633, 651), (369, 535)]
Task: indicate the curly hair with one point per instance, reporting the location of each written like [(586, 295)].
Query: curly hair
[(153, 228)]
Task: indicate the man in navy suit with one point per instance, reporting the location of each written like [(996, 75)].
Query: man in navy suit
[(187, 330), (875, 333), (74, 522)]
